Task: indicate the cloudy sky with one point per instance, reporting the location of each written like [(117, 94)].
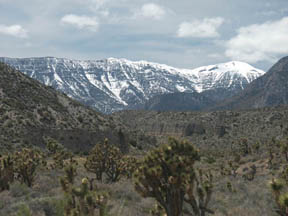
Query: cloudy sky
[(182, 33)]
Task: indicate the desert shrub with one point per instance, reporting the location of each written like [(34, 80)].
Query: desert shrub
[(18, 189), (24, 210), (244, 146), (49, 206)]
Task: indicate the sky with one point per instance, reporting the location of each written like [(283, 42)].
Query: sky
[(182, 33)]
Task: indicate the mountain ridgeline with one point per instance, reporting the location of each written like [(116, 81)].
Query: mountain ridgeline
[(111, 84)]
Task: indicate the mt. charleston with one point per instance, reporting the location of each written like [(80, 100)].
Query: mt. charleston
[(115, 84), (271, 89)]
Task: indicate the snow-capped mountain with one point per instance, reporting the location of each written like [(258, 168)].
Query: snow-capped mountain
[(231, 75), (115, 84)]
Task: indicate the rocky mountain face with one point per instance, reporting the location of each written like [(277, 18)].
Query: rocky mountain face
[(115, 84), (270, 89), (31, 111), (183, 101), (179, 101)]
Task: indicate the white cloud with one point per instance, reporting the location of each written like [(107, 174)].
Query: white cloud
[(151, 10), (259, 42), (14, 30), (205, 28), (81, 22)]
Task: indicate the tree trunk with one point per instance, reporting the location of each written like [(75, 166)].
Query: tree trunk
[(174, 205)]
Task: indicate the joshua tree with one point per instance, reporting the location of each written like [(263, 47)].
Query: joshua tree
[(58, 153), (96, 160), (53, 146), (280, 196), (168, 175), (80, 201), (6, 172), (114, 165), (105, 158), (26, 162), (129, 164)]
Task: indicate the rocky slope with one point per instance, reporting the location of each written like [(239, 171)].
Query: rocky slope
[(270, 89), (29, 111), (115, 84), (183, 101), (179, 101)]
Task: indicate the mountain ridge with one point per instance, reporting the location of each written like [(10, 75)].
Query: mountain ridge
[(271, 89), (112, 84)]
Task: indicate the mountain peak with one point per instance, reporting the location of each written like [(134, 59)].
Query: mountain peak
[(233, 66), (232, 74)]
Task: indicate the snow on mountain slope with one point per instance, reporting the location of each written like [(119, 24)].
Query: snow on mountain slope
[(230, 75), (115, 84)]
